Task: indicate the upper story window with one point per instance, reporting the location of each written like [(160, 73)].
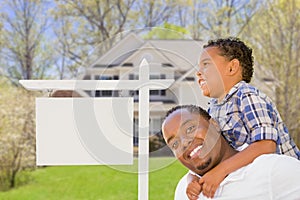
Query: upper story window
[(157, 76), (104, 77), (106, 93), (154, 76), (103, 93), (133, 77), (128, 65), (189, 78), (107, 77), (158, 92), (167, 65)]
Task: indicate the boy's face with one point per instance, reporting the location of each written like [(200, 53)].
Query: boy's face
[(211, 74), (194, 140)]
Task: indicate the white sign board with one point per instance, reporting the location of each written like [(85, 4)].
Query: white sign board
[(84, 131)]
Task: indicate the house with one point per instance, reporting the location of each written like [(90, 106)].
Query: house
[(168, 59)]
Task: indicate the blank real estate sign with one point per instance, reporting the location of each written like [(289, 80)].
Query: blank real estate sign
[(84, 131)]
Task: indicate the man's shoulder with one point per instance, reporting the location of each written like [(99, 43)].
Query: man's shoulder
[(265, 164), (180, 192), (263, 178), (278, 161), (275, 158), (276, 164), (267, 168), (284, 175)]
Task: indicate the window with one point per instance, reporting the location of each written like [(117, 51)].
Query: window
[(157, 76), (189, 79), (127, 64), (154, 76), (135, 131), (133, 92), (105, 77), (167, 65), (158, 92), (103, 93), (106, 93), (133, 77), (154, 92)]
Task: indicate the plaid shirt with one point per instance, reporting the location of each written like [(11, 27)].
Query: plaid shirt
[(247, 115)]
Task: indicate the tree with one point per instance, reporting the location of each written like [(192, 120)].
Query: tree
[(17, 133), (84, 26), (23, 52), (168, 31), (277, 48), (150, 13), (219, 18)]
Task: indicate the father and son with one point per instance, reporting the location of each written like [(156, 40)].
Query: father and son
[(240, 148)]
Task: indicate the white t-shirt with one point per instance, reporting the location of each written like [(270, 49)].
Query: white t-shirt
[(269, 176)]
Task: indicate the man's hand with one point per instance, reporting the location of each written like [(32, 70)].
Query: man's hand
[(211, 181), (194, 188)]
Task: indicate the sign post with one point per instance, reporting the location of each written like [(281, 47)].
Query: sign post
[(143, 85)]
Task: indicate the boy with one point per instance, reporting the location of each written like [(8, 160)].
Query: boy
[(245, 115)]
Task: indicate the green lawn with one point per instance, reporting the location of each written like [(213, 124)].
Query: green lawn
[(98, 182)]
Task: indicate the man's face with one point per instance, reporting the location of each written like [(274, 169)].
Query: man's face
[(193, 140), (211, 72)]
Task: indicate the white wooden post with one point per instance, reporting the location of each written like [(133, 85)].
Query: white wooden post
[(144, 85), (143, 161)]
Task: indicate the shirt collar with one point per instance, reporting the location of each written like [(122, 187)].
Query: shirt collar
[(231, 92)]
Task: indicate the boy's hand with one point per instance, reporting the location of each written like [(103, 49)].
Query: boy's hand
[(211, 181), (194, 188)]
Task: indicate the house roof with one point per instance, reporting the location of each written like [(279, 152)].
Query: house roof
[(119, 52), (181, 54)]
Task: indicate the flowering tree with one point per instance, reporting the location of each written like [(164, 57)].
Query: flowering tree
[(17, 133)]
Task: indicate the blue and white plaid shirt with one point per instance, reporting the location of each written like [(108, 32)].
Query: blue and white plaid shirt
[(247, 115)]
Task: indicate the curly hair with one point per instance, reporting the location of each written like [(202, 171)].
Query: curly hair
[(192, 109), (233, 48)]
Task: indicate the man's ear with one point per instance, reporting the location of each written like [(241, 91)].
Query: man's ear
[(163, 130), (233, 67)]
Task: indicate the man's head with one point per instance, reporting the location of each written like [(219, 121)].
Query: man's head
[(194, 138), (223, 63)]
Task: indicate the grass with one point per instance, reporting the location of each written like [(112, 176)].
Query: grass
[(98, 182)]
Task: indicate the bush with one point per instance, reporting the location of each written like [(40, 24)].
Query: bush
[(156, 142)]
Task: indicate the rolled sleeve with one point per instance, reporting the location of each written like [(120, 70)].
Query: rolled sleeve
[(264, 133), (259, 117)]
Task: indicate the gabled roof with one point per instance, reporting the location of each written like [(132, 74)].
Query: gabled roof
[(182, 54), (150, 52), (119, 52)]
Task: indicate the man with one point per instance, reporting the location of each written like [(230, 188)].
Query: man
[(196, 141)]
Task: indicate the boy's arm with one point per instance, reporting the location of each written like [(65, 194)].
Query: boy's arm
[(212, 179)]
